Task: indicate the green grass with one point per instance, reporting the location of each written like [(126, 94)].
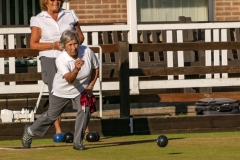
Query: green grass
[(195, 146)]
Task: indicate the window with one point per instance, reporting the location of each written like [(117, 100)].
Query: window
[(170, 10), (18, 12)]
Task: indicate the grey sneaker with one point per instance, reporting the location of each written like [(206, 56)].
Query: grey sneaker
[(78, 146), (27, 138)]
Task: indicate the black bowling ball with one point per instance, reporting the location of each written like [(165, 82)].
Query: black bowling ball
[(92, 137), (98, 136), (162, 141), (68, 137)]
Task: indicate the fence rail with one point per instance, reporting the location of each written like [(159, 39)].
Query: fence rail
[(124, 72), (193, 57)]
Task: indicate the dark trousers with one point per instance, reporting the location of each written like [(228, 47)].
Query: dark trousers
[(48, 72), (58, 104)]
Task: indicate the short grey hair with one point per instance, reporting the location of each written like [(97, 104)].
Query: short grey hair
[(67, 36)]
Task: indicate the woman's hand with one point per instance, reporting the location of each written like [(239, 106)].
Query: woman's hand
[(88, 92), (57, 46), (70, 77), (79, 63)]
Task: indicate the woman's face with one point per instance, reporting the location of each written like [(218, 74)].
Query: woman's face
[(53, 5), (72, 48)]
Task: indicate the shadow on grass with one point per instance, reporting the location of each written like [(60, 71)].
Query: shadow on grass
[(175, 138), (174, 153), (100, 144), (109, 137), (35, 147)]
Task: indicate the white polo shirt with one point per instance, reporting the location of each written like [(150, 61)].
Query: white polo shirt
[(65, 64), (51, 29)]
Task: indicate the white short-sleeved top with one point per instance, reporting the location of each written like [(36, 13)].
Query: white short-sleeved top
[(51, 29), (65, 64)]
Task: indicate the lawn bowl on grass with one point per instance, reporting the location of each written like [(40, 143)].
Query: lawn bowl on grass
[(162, 141)]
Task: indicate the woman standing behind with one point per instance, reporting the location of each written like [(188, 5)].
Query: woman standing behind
[(77, 72), (46, 29)]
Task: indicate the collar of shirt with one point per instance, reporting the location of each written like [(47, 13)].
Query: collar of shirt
[(67, 57)]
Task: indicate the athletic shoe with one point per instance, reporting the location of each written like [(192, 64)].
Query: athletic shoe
[(27, 138), (78, 146)]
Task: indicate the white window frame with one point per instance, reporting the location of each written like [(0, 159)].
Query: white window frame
[(211, 10), (209, 16)]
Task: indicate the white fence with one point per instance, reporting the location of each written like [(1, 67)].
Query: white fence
[(218, 31), (214, 32)]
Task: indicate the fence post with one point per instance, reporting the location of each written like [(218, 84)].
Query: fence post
[(123, 51), (133, 38)]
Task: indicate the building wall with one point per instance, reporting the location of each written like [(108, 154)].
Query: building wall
[(100, 11), (227, 10), (115, 11)]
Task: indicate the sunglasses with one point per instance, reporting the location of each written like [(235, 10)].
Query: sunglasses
[(55, 0)]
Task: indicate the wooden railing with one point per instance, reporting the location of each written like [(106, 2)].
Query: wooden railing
[(178, 82), (179, 50), (119, 74), (16, 38)]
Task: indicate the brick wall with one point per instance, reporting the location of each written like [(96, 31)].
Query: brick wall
[(113, 11), (100, 11), (227, 10)]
